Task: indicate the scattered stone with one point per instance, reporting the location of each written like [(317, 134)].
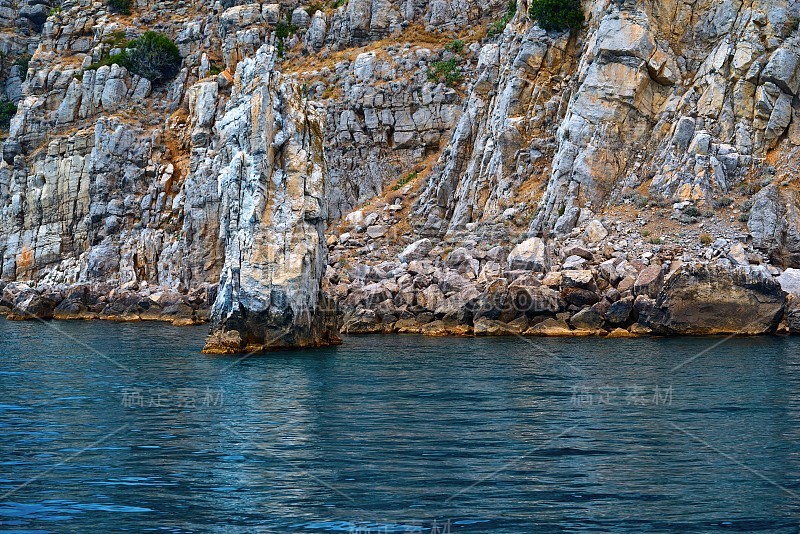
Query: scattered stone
[(417, 250), (530, 255), (649, 281), (595, 231), (376, 231)]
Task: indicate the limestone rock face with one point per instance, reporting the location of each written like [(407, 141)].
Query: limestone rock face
[(774, 223), (272, 179), (711, 300), (684, 103), (504, 133)]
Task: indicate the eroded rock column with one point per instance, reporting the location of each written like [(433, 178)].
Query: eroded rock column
[(271, 175)]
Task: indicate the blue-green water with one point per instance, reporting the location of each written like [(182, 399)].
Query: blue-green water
[(110, 427)]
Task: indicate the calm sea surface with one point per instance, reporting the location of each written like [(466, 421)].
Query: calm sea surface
[(128, 428)]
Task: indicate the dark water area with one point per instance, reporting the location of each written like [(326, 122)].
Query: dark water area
[(128, 428)]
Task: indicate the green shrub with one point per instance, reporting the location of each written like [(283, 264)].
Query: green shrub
[(313, 8), (338, 3), (557, 14), (744, 217), (55, 11), (123, 7), (723, 202), (640, 201), (497, 27), (23, 62), (447, 71), (402, 182), (283, 30), (7, 110), (116, 39), (153, 56), (116, 59), (692, 211), (456, 46)]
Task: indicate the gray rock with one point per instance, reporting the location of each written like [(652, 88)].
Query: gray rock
[(711, 300), (620, 311), (587, 319), (416, 250), (530, 255), (783, 69), (790, 281), (270, 293), (649, 282)]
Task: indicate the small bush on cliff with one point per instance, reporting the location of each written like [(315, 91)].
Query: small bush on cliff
[(723, 202), (123, 7), (446, 71), (497, 27), (284, 30), (7, 110), (153, 56), (557, 14), (455, 46), (313, 8)]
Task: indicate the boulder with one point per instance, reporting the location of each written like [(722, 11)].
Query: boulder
[(489, 327), (738, 255), (595, 231), (533, 301), (30, 306), (649, 281), (376, 231), (497, 254), (619, 333), (704, 300), (582, 279), (580, 251), (790, 281), (580, 297), (620, 311), (530, 255), (573, 262), (416, 250), (550, 327), (587, 319), (362, 322)]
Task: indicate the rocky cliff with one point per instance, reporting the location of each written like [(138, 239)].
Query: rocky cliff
[(271, 178), (430, 145)]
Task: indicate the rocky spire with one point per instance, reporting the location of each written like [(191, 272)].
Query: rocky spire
[(271, 180)]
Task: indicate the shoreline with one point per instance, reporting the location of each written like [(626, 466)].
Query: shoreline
[(437, 330), (668, 299)]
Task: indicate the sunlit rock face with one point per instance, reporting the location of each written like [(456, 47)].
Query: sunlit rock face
[(676, 101), (272, 220)]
